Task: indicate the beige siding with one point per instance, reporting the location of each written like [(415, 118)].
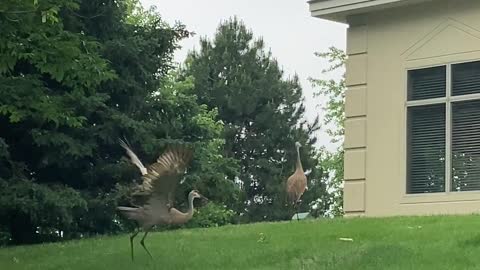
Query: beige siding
[(356, 126), (357, 39), (357, 64), (355, 144), (355, 164), (355, 191), (380, 51), (356, 102)]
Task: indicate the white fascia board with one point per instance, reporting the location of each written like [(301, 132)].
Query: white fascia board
[(338, 10)]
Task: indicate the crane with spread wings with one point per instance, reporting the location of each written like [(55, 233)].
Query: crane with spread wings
[(154, 197)]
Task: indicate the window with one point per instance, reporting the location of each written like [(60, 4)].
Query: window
[(443, 124)]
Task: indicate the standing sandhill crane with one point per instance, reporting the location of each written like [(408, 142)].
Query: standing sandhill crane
[(297, 182), (155, 195)]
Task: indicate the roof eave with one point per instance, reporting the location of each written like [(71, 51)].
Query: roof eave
[(339, 10)]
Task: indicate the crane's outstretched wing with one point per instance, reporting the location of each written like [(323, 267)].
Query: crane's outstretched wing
[(161, 180), (133, 157)]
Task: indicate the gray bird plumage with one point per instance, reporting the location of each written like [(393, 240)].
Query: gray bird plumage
[(154, 197)]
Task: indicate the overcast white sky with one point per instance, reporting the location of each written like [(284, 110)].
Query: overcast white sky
[(285, 25)]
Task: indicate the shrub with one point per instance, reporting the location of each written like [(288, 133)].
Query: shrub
[(4, 236), (211, 215)]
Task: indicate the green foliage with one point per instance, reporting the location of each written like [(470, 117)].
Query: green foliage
[(33, 207), (212, 215), (5, 236), (45, 69), (263, 116), (49, 79), (210, 171), (334, 91), (332, 163), (74, 77)]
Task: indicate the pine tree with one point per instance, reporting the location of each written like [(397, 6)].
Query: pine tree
[(263, 113), (74, 77)]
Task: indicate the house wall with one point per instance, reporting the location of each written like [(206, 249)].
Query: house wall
[(381, 47)]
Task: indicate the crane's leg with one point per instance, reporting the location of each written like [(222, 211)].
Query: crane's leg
[(287, 206), (296, 210), (142, 242), (131, 240)]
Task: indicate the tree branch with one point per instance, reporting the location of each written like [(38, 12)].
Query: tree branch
[(18, 11)]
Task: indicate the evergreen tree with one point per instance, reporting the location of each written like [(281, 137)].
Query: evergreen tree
[(74, 77), (263, 113)]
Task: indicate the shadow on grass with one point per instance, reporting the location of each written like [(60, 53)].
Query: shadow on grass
[(473, 241)]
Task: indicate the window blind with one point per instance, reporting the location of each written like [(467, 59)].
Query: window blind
[(466, 146), (466, 78), (427, 83), (426, 151)]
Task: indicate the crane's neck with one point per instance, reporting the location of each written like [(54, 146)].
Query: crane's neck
[(190, 206), (299, 162)]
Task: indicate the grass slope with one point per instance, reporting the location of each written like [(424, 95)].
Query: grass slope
[(392, 243)]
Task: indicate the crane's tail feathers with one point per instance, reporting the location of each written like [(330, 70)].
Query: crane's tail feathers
[(124, 143), (129, 212), (133, 157)]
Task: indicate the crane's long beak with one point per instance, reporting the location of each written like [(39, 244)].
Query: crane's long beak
[(203, 198)]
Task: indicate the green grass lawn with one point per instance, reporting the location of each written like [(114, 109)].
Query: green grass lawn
[(394, 243)]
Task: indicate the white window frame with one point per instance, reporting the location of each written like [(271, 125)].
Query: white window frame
[(447, 100)]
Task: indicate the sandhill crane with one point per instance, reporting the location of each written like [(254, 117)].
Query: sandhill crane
[(297, 182), (156, 193)]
